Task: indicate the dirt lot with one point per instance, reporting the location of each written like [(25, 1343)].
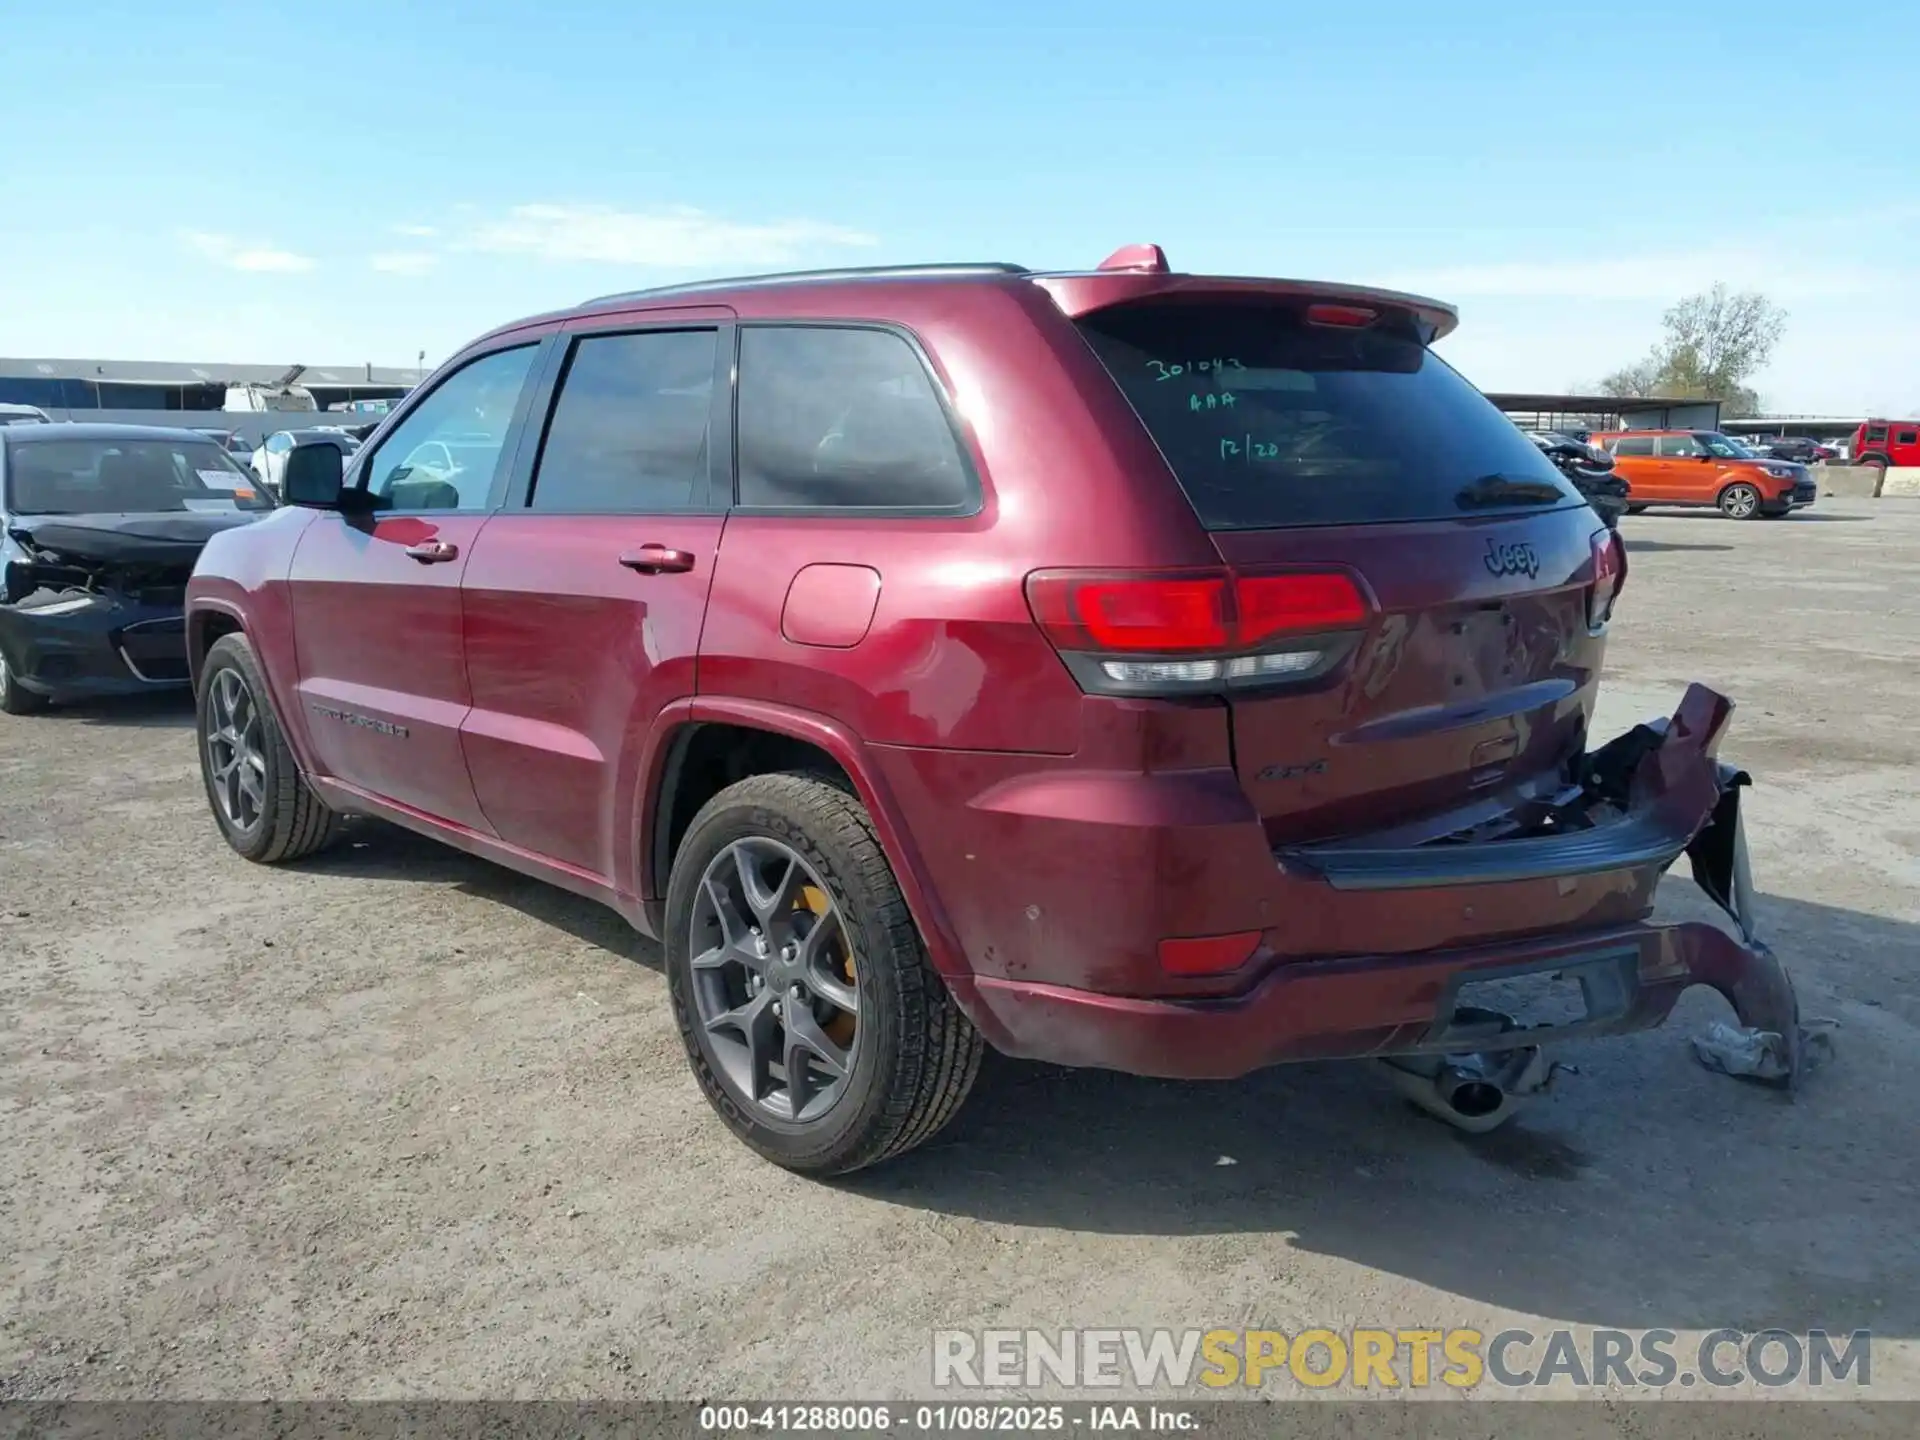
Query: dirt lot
[(398, 1123)]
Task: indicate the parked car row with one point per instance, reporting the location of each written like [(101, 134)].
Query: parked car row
[(1120, 668)]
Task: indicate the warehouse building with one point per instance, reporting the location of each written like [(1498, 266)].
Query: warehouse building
[(251, 399)]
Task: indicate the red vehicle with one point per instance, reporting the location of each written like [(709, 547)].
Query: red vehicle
[(1162, 672), (1887, 443)]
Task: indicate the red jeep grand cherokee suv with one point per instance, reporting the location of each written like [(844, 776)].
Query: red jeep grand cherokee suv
[(1133, 669)]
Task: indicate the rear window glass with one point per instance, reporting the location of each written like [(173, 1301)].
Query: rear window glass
[(1270, 422), (1639, 445)]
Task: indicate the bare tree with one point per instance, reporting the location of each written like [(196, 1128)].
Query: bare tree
[(1714, 343)]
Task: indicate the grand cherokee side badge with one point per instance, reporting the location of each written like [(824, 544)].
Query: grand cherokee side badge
[(1516, 559), (365, 722), (1292, 772)]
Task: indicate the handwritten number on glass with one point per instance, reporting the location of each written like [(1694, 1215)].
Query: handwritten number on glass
[(1249, 449), (1170, 370)]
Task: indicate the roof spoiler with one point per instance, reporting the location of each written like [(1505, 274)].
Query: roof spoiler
[(1140, 272)]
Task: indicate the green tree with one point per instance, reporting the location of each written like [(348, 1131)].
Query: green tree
[(1713, 344)]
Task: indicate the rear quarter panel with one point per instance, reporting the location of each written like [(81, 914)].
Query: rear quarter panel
[(952, 658)]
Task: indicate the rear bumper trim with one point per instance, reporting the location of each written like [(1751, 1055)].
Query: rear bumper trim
[(1661, 780), (1641, 840)]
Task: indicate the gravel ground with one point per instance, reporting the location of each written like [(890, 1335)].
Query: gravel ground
[(397, 1123)]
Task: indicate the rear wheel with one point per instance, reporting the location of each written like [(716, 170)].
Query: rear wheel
[(1739, 501), (15, 698), (803, 994), (261, 802)]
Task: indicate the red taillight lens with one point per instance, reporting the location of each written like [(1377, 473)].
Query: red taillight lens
[(1277, 604), (1170, 614), (1206, 629), (1346, 317), (1609, 576), (1208, 955), (1180, 612)]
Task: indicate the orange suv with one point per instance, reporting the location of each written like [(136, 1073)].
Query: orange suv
[(1704, 467)]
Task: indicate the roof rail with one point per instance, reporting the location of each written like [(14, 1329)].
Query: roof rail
[(801, 277)]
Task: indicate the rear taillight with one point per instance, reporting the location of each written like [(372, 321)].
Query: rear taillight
[(1609, 575), (1196, 631)]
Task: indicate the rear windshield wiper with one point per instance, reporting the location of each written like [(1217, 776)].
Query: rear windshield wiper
[(1491, 490)]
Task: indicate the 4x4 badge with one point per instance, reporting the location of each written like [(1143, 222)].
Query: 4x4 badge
[(1512, 559)]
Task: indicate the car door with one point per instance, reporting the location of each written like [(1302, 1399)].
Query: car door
[(1635, 462), (1686, 471), (585, 596), (376, 596), (272, 454)]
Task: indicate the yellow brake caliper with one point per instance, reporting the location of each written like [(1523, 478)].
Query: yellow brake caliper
[(840, 1028)]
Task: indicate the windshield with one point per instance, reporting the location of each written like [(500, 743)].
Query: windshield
[(103, 477), (1267, 421), (1725, 446)]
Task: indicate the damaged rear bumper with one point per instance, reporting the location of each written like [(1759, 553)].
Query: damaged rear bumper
[(1662, 794)]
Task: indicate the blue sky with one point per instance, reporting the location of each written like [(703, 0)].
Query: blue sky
[(335, 183)]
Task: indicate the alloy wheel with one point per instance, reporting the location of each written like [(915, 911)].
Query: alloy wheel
[(236, 756), (773, 980), (1740, 501)]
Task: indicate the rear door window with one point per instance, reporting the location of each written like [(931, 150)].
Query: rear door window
[(1634, 445), (1268, 422), (841, 417)]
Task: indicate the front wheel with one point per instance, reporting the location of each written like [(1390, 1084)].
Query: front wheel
[(261, 802), (803, 994), (15, 698), (1740, 502)]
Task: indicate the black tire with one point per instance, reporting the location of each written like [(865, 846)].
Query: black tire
[(1739, 501), (1874, 462), (917, 1056), (292, 822), (15, 698)]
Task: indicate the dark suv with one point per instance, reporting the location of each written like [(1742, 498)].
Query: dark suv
[(1126, 668)]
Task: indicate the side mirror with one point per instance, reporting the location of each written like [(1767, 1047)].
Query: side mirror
[(312, 477)]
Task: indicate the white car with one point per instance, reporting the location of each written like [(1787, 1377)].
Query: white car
[(270, 459), (24, 415)]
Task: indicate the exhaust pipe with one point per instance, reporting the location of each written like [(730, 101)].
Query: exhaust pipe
[(1477, 1092)]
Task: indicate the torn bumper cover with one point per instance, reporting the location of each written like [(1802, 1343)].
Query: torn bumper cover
[(93, 606), (1629, 811)]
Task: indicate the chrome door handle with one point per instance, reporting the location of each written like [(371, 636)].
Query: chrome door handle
[(658, 560), (433, 552)]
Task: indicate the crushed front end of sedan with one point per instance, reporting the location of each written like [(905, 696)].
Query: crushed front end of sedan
[(100, 528)]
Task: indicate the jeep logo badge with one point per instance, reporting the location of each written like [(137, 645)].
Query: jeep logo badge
[(1512, 559)]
